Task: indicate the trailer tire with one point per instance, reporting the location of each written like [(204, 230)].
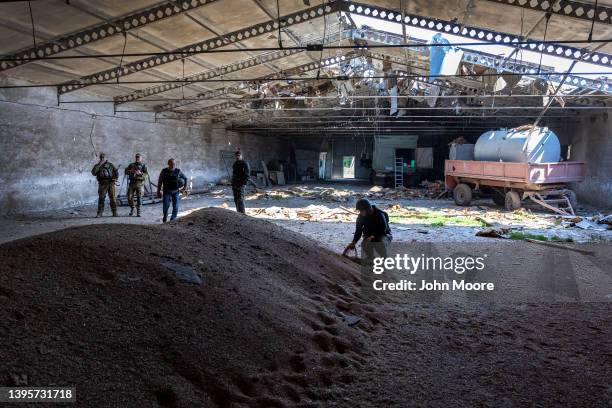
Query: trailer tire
[(513, 201), (571, 196), (462, 193)]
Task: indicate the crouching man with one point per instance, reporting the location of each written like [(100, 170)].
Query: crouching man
[(171, 181), (373, 225)]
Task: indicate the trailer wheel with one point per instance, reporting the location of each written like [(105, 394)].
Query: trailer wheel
[(571, 196), (513, 201), (499, 198), (462, 193)]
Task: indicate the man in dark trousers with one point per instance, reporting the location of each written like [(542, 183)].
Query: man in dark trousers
[(373, 224), (241, 173), (171, 181), (107, 174)]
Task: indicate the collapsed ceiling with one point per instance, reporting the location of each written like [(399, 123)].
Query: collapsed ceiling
[(296, 67)]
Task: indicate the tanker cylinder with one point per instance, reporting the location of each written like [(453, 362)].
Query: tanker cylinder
[(520, 145)]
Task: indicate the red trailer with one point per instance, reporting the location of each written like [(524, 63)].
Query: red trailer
[(512, 183)]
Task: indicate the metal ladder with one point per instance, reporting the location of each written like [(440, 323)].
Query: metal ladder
[(399, 172)]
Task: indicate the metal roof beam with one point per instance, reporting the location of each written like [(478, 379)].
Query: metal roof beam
[(101, 31), (300, 69), (219, 71), (209, 44), (499, 63), (213, 73), (565, 8), (476, 33), (236, 104)]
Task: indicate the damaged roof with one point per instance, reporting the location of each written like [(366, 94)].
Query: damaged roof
[(254, 64)]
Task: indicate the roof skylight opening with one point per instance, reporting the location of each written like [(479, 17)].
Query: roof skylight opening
[(424, 32)]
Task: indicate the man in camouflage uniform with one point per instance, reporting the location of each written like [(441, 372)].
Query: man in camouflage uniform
[(137, 173), (107, 175)]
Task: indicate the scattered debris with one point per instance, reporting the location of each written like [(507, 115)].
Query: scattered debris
[(597, 222), (605, 220), (586, 224), (350, 319), (309, 213), (459, 140), (556, 245), (426, 190), (433, 188), (498, 232), (433, 217), (485, 222), (458, 223)]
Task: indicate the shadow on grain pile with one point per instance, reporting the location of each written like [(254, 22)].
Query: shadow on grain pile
[(95, 307)]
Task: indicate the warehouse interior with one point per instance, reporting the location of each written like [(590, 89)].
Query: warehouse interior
[(322, 98)]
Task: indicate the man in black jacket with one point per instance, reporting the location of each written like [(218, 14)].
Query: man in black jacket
[(373, 224), (241, 172), (171, 180)]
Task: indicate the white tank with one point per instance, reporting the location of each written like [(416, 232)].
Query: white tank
[(521, 145)]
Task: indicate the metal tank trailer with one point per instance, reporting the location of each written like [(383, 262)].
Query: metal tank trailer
[(515, 165)]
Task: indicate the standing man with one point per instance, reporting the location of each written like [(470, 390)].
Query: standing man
[(137, 173), (171, 180), (107, 174), (373, 224), (241, 173)]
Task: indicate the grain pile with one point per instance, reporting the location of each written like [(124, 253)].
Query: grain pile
[(277, 321), (272, 324)]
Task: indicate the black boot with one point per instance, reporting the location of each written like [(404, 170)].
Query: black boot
[(138, 211), (132, 211)]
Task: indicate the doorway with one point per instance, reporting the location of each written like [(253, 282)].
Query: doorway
[(409, 158), (348, 167), (322, 161)]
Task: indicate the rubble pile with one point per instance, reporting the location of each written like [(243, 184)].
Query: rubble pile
[(597, 222), (427, 189), (309, 213)]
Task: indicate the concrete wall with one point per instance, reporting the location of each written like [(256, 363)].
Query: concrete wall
[(351, 146), (46, 151), (336, 148), (591, 142)]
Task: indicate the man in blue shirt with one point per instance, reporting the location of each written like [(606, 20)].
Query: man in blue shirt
[(171, 181)]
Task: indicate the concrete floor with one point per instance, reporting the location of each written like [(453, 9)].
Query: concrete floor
[(334, 234)]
